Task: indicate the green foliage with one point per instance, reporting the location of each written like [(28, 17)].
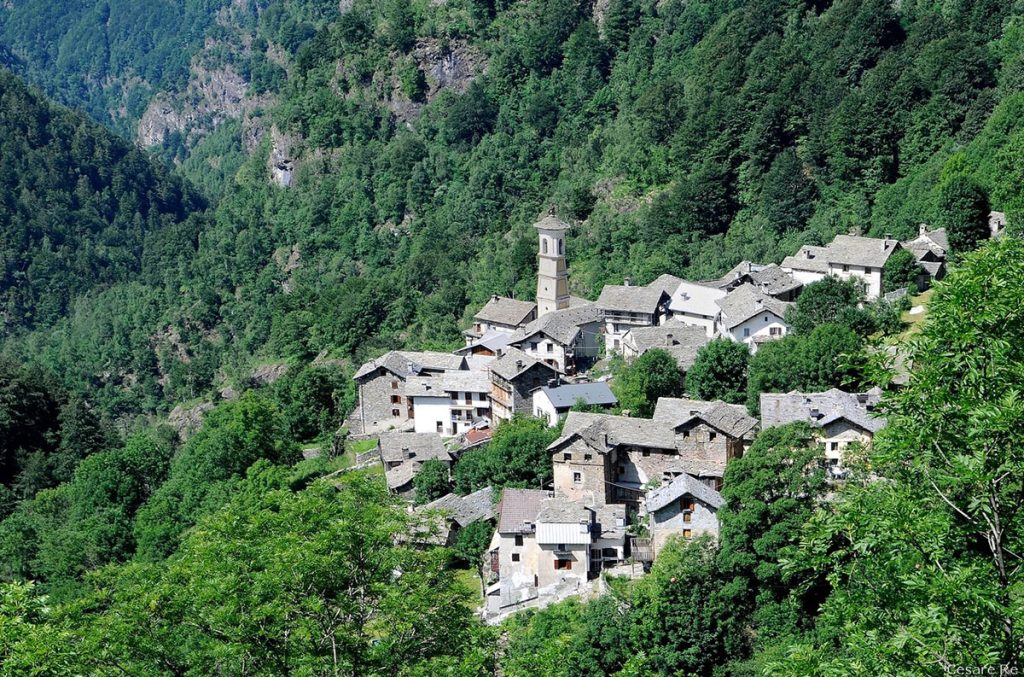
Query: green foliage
[(962, 208), (901, 271), (432, 481), (827, 300), (472, 542), (276, 582), (933, 542), (65, 532), (653, 375), (770, 493), (719, 372), (516, 456), (233, 437), (78, 205), (810, 363)]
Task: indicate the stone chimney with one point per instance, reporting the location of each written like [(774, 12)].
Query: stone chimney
[(628, 282), (922, 228), (668, 340)]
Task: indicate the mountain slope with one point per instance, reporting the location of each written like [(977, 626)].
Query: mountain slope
[(76, 206), (391, 187)]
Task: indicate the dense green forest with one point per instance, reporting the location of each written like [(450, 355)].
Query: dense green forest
[(677, 137), (108, 57)]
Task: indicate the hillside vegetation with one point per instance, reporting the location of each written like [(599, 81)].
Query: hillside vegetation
[(371, 183), (680, 137)]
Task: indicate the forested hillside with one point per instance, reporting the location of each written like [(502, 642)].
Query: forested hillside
[(364, 176), (77, 208), (413, 145)]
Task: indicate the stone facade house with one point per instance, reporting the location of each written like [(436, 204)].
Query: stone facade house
[(565, 339), (846, 257), (843, 418), (500, 315), (681, 341), (451, 403), (514, 378), (769, 279), (381, 384), (403, 454), (563, 543), (552, 403), (930, 248), (444, 517), (683, 507), (514, 553), (749, 316), (626, 306)]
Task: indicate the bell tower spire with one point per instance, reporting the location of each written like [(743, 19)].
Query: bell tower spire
[(552, 274)]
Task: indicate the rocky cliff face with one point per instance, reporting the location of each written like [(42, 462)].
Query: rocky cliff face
[(213, 96)]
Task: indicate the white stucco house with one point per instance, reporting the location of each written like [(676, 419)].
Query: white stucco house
[(847, 256), (449, 404), (747, 315), (695, 304)]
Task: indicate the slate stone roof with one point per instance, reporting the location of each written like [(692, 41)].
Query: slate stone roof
[(551, 222), (448, 382), (679, 340), (731, 419), (927, 241), (562, 511), (493, 340), (745, 302), (861, 251), (771, 279), (696, 299), (667, 283), (604, 432), (820, 409), (667, 494), (515, 362), (561, 325), (407, 363), (464, 510), (405, 447), (810, 258), (567, 395), (630, 299), (519, 508), (503, 310), (844, 249)]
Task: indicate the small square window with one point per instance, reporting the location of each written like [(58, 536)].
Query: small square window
[(577, 477), (646, 452), (687, 534), (566, 457), (587, 457), (396, 399), (394, 412), (712, 435), (551, 348), (515, 557), (519, 539), (746, 331), (394, 385), (687, 517)]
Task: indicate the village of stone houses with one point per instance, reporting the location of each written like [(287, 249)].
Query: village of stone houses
[(623, 485)]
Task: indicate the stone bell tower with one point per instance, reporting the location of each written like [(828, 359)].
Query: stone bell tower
[(552, 275)]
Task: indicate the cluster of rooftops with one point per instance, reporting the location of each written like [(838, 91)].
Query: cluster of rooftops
[(622, 485)]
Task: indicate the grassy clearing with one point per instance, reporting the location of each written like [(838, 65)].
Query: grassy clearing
[(914, 322), (469, 579)]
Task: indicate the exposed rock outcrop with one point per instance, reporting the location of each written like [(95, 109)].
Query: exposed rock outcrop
[(282, 162)]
